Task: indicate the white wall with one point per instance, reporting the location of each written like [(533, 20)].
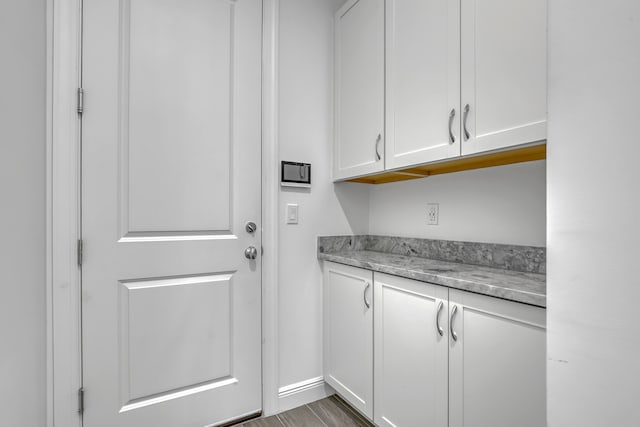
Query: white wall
[(593, 213), (505, 204), (305, 135), (22, 213)]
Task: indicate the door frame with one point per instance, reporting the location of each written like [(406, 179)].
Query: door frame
[(63, 299)]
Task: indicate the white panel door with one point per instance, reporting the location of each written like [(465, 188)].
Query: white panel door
[(422, 81), (359, 89), (170, 174), (411, 353), (348, 334), (504, 73), (497, 365)]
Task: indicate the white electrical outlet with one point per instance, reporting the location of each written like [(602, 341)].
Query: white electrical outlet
[(432, 214)]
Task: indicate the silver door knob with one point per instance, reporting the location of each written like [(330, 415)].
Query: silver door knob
[(251, 252)]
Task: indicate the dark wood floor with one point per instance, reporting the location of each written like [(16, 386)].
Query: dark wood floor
[(329, 412)]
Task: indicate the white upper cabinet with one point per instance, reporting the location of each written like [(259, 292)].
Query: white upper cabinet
[(359, 89), (503, 73), (422, 81)]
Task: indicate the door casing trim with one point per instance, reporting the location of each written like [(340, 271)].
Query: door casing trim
[(270, 191), (63, 292), (64, 368)]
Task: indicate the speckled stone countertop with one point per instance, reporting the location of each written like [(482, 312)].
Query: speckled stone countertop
[(524, 287)]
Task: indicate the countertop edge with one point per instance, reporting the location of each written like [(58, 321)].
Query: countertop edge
[(477, 287)]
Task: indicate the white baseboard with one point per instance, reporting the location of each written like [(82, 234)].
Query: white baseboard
[(298, 394)]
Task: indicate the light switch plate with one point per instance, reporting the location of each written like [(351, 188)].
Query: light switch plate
[(292, 213)]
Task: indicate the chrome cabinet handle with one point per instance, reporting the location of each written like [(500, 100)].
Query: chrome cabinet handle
[(454, 335), (452, 138), (464, 122), (438, 327), (378, 139), (367, 303)]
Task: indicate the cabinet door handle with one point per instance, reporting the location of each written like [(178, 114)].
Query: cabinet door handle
[(464, 123), (454, 335), (367, 303), (378, 139), (438, 327), (452, 138)]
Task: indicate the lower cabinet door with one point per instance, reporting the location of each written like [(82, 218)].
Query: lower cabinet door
[(496, 362), (411, 353), (348, 334)]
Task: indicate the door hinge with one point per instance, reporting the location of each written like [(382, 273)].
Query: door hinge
[(81, 400), (80, 100), (80, 252)]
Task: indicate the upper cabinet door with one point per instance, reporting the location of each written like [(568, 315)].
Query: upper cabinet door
[(359, 85), (423, 81), (503, 73)]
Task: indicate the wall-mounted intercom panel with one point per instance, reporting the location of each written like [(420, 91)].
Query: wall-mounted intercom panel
[(295, 174)]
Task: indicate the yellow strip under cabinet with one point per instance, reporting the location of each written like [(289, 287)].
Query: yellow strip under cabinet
[(516, 155)]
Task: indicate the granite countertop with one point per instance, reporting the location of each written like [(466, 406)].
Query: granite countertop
[(528, 288)]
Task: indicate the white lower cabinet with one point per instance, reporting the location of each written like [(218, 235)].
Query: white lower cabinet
[(497, 365), (348, 334), (426, 355), (411, 353)]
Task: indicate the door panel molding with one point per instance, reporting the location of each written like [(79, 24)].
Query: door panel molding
[(145, 127), (207, 347)]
